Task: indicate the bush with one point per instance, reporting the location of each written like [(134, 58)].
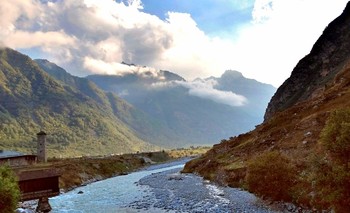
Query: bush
[(9, 190), (271, 175), (331, 185), (335, 136), (332, 173)]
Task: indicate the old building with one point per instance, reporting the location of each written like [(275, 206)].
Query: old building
[(35, 182), (16, 159)]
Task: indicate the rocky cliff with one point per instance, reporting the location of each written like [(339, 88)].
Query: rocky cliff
[(315, 71)]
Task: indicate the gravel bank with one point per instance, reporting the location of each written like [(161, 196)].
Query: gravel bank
[(172, 191)]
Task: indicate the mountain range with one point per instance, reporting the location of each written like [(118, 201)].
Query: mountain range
[(143, 110), (202, 111)]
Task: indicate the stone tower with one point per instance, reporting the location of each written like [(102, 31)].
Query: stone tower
[(41, 149)]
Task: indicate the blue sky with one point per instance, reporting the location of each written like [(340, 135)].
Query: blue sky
[(212, 16), (263, 39)]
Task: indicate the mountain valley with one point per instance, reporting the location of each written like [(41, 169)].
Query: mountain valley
[(162, 110)]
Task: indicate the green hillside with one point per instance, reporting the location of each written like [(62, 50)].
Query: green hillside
[(145, 126), (77, 124)]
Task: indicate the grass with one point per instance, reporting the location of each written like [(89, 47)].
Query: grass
[(295, 133)]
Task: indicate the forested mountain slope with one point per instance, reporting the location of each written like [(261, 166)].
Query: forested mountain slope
[(76, 123)]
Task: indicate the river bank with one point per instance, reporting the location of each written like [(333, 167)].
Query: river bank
[(157, 188), (172, 191), (81, 171)]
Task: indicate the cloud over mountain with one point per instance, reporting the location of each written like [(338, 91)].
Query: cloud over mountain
[(204, 89), (95, 34), (86, 36)]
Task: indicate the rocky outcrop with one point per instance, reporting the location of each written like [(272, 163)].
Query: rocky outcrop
[(318, 69)]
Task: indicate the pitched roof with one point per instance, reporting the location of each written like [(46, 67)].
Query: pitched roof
[(6, 154)]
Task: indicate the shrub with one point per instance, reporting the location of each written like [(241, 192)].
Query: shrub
[(332, 173), (271, 175), (331, 185), (9, 190), (335, 136)]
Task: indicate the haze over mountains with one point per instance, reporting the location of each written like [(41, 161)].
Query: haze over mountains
[(162, 108), (202, 111)]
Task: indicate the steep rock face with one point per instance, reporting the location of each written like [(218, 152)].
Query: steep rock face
[(315, 71)]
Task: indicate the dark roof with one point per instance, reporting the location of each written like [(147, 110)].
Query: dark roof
[(7, 154), (37, 174), (41, 133)]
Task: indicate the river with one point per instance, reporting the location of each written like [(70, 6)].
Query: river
[(159, 188)]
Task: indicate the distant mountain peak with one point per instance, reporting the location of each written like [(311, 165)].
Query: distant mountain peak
[(232, 74)]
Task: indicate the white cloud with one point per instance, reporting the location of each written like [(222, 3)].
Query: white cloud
[(205, 90), (94, 36), (114, 68), (281, 33), (23, 39)]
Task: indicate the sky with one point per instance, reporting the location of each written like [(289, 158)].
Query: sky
[(263, 39)]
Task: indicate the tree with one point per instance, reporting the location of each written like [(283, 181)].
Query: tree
[(9, 190)]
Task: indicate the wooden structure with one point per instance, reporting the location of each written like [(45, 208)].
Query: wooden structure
[(38, 183), (35, 181)]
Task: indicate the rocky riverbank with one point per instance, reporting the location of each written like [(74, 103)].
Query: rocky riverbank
[(172, 191), (158, 188)]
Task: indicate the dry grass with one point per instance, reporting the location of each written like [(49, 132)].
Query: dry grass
[(294, 132), (188, 152)]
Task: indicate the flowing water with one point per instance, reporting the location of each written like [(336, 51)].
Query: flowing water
[(110, 195), (159, 188)]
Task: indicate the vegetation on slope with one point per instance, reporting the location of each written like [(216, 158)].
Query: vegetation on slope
[(272, 175), (305, 137), (31, 101), (313, 137), (332, 172), (145, 126)]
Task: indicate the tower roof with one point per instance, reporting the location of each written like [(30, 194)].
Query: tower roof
[(41, 133)]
